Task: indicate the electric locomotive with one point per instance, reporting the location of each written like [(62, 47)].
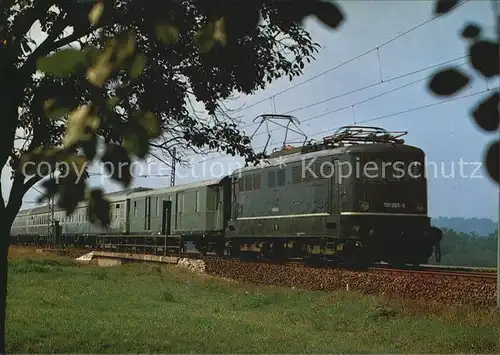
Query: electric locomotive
[(358, 196)]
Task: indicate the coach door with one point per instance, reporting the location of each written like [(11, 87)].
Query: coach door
[(166, 218)]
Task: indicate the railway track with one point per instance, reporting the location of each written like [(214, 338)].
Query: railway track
[(462, 272), (436, 272), (425, 271)]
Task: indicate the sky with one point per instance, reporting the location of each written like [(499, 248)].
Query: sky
[(387, 94)]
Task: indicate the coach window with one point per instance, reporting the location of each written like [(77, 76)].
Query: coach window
[(197, 201), (296, 174), (248, 182), (135, 208), (180, 203), (281, 177), (271, 179), (241, 184), (256, 182)]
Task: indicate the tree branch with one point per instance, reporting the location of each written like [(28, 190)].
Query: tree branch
[(19, 188)]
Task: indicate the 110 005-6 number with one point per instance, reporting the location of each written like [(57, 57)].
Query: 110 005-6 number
[(394, 205)]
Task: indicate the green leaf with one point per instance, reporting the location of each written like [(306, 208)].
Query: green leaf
[(328, 13), (77, 165), (486, 113), (57, 113), (98, 210), (137, 142), (219, 33), (471, 31), (71, 192), (112, 102), (137, 66), (167, 33), (204, 38), (81, 126), (485, 56), (53, 111), (50, 187), (99, 73), (62, 63), (92, 54), (150, 122), (492, 159), (117, 163), (90, 148), (444, 6), (96, 13), (448, 82)]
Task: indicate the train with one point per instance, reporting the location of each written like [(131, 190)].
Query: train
[(357, 196)]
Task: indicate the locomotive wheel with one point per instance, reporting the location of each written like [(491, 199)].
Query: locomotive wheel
[(265, 250), (220, 249)]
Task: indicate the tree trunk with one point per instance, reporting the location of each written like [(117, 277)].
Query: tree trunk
[(4, 251)]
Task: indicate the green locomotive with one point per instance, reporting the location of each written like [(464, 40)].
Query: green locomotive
[(358, 196)]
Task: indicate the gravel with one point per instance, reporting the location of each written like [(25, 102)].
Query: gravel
[(433, 288)]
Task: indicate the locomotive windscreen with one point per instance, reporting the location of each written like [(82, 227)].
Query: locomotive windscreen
[(389, 169), (389, 184)]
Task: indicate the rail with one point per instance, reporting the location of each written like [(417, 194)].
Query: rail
[(135, 244), (435, 272)]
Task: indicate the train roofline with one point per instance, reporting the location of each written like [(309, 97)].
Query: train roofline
[(112, 197), (122, 195), (169, 189), (295, 157)]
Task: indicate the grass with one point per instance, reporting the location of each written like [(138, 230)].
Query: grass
[(56, 306)]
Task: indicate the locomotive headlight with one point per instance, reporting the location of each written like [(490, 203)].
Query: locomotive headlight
[(364, 205)]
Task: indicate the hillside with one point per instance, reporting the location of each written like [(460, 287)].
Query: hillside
[(467, 249), (480, 226)]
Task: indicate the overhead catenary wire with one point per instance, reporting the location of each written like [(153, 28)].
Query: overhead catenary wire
[(352, 59), (377, 48), (378, 117), (361, 89), (91, 174), (353, 105), (372, 119)]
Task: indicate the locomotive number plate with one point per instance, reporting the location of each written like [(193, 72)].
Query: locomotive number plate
[(394, 204)]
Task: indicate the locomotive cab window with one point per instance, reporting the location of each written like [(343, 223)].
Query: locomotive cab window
[(391, 169)]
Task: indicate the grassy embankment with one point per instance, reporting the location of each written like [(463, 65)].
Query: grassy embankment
[(56, 306)]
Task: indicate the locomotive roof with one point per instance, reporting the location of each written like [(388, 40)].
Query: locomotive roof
[(358, 148)]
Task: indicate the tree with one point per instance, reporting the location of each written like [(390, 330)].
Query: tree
[(126, 83), (484, 56)]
